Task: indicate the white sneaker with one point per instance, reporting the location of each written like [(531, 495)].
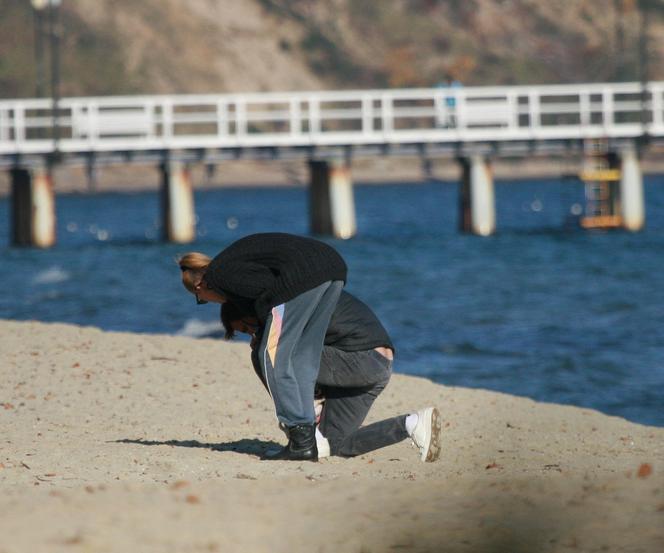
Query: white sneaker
[(426, 434), (323, 446)]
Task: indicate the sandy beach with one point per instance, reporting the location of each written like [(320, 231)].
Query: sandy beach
[(125, 442)]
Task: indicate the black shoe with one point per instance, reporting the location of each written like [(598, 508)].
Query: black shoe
[(301, 445)]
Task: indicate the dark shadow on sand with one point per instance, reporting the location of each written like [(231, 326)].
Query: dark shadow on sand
[(246, 446)]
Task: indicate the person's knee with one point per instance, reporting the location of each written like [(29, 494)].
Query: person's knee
[(378, 388), (384, 371)]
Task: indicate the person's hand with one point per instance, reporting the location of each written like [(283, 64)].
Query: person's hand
[(318, 408)]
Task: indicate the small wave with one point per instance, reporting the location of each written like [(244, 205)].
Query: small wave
[(52, 275), (195, 328), (471, 350)]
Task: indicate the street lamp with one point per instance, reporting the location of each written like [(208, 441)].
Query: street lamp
[(54, 36), (644, 14), (38, 7)]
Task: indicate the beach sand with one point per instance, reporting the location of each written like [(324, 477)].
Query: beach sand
[(125, 442)]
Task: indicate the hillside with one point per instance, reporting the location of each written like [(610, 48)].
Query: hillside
[(197, 46)]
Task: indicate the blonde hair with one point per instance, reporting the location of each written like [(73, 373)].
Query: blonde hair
[(193, 266)]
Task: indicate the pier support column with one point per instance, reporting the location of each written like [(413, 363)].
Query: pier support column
[(477, 210), (179, 223), (631, 191), (331, 202), (33, 208)]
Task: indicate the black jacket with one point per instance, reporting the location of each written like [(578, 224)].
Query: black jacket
[(268, 269), (354, 327)]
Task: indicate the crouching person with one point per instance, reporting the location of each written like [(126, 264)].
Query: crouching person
[(291, 284), (355, 367)]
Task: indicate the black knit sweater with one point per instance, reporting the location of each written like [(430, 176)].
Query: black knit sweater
[(265, 270)]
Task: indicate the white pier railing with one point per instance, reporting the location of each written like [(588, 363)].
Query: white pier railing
[(344, 118)]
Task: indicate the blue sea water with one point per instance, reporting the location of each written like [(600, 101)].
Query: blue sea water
[(540, 309)]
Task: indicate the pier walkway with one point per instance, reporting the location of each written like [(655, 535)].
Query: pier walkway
[(328, 129)]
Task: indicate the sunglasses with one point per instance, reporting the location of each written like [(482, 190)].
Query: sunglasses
[(199, 301)]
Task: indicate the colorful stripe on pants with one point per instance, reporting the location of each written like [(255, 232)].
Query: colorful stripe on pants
[(275, 332)]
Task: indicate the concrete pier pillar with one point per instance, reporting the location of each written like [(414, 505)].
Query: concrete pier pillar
[(179, 220), (477, 209), (631, 191), (331, 201), (33, 208)]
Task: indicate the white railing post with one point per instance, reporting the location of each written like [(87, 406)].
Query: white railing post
[(657, 92), (387, 113), (534, 111), (367, 114), (150, 109), (585, 118), (607, 108), (295, 117), (4, 125), (167, 129), (314, 115), (439, 108), (76, 118), (93, 122), (80, 125), (19, 124), (459, 110), (222, 118), (513, 103), (240, 117)]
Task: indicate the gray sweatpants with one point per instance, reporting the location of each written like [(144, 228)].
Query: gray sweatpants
[(290, 351), (350, 381)]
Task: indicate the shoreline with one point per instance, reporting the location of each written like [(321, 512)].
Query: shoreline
[(115, 441), (279, 173)]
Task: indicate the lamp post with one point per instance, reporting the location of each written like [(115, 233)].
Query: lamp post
[(644, 16), (54, 28), (40, 6)]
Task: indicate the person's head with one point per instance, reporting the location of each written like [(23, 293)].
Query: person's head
[(234, 321), (193, 266)]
